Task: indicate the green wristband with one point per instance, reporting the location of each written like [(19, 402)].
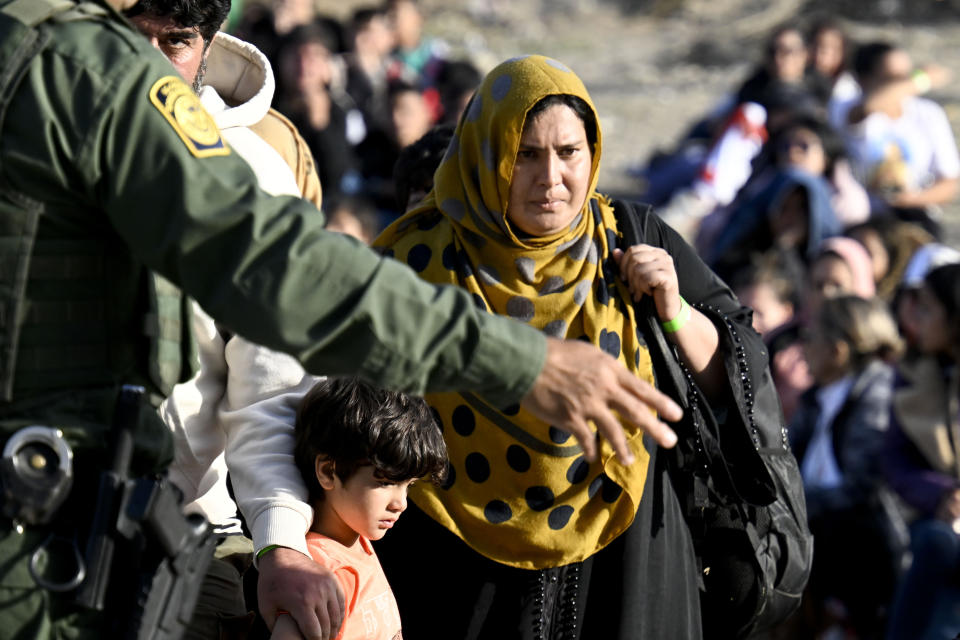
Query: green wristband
[(672, 326), (266, 549)]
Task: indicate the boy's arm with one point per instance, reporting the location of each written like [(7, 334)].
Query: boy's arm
[(285, 629)]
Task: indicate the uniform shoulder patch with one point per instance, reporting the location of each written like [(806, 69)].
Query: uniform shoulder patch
[(185, 113)]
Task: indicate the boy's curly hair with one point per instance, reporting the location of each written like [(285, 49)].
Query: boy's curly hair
[(354, 423)]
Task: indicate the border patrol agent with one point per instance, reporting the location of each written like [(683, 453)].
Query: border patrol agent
[(110, 172)]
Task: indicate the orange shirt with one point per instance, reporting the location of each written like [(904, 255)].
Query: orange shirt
[(372, 612)]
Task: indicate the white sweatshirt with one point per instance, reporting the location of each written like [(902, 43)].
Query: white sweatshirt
[(238, 411)]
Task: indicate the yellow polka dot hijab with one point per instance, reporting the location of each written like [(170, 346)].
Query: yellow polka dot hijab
[(518, 490)]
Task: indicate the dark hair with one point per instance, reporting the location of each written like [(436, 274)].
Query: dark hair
[(310, 33), (354, 424), (398, 85), (336, 30), (770, 46), (830, 140), (206, 15), (869, 57), (826, 23), (417, 163), (454, 79), (579, 107), (944, 282), (363, 16)]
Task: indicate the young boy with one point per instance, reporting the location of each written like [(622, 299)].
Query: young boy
[(359, 449)]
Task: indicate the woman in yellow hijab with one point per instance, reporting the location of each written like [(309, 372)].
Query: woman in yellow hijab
[(526, 538)]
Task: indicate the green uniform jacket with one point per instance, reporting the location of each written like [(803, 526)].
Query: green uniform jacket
[(91, 134)]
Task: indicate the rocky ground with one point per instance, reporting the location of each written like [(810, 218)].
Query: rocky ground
[(654, 66)]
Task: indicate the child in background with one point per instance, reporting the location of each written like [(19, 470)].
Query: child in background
[(359, 449), (768, 286), (354, 216), (841, 267), (837, 434)]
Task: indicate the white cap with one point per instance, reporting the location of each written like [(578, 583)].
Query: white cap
[(926, 259)]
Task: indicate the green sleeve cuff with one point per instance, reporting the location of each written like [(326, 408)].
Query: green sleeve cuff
[(511, 352)]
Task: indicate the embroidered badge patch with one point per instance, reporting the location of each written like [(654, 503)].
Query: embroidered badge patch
[(183, 110)]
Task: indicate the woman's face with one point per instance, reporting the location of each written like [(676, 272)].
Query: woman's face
[(829, 276), (788, 57), (801, 148), (551, 176), (929, 323), (827, 52)]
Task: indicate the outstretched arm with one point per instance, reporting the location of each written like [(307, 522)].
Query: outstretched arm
[(559, 396)]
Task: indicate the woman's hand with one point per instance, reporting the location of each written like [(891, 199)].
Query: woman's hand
[(650, 271), (580, 383)]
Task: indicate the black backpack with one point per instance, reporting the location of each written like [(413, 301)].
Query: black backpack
[(739, 485)]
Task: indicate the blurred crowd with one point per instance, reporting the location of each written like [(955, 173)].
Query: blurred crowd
[(361, 91), (814, 189)]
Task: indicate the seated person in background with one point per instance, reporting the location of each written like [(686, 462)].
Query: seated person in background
[(366, 64), (353, 216), (410, 118), (769, 286), (714, 162), (416, 164), (842, 267), (830, 48), (415, 58), (329, 120), (837, 434), (359, 449), (891, 243), (410, 113), (901, 145), (805, 142), (784, 69), (921, 463), (808, 142), (924, 260), (792, 214)]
